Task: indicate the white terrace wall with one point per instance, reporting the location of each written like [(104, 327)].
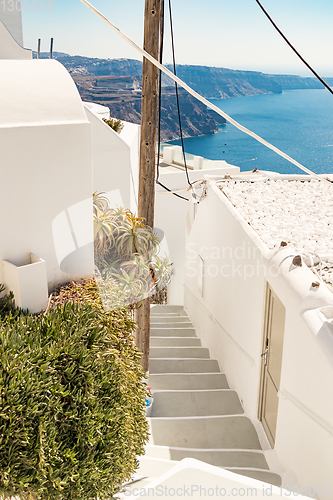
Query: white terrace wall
[(115, 159), (45, 170), (229, 319), (170, 220)]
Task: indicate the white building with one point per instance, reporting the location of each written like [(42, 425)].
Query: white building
[(237, 291), (115, 158), (11, 36), (266, 318), (55, 152)]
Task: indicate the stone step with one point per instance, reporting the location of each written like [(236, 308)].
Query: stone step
[(179, 352), (159, 365), (166, 324), (166, 309), (175, 342), (168, 315), (236, 432), (195, 414), (219, 458), (164, 312), (196, 403), (169, 319), (150, 467), (188, 381), (172, 332), (262, 475)]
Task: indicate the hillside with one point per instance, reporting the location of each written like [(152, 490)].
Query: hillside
[(295, 82), (116, 83)]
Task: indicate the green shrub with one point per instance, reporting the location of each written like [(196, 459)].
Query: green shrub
[(72, 418), (7, 303), (116, 125)]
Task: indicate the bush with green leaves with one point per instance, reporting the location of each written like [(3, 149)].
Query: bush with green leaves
[(116, 125), (72, 417), (7, 303)]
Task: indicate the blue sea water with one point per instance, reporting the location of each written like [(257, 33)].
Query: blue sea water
[(299, 122)]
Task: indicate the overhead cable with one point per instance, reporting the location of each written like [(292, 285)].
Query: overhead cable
[(177, 95), (293, 48), (160, 106), (170, 191), (160, 90), (195, 94)]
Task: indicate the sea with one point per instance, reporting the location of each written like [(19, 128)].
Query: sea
[(299, 122)]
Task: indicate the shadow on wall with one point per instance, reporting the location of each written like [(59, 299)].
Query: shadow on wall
[(72, 242), (75, 253)]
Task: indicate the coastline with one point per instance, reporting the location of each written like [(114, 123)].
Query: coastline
[(298, 121)]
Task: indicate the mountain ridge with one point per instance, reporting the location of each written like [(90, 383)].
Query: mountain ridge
[(116, 83)]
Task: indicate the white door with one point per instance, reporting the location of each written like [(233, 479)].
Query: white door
[(275, 314)]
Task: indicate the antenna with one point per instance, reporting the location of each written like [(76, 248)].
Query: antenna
[(51, 48), (38, 48)]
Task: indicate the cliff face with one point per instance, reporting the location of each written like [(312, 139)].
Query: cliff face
[(294, 82), (116, 83), (122, 95), (221, 83)]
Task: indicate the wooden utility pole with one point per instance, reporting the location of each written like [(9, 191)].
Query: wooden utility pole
[(147, 154)]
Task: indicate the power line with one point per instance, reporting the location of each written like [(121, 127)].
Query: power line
[(293, 48), (160, 91), (199, 97), (177, 95), (160, 106), (170, 191)]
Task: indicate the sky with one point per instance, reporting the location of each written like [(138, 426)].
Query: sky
[(224, 33)]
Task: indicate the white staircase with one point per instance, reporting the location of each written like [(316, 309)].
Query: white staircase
[(195, 414)]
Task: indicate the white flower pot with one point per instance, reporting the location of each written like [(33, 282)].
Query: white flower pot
[(28, 282), (149, 407)]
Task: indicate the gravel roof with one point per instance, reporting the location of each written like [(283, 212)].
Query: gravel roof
[(297, 212)]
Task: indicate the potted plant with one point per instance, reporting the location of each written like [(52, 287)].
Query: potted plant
[(128, 265), (149, 402)]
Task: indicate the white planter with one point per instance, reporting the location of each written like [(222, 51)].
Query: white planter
[(168, 154), (149, 407), (197, 162), (28, 282)]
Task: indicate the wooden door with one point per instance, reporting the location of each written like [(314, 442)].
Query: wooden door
[(274, 324)]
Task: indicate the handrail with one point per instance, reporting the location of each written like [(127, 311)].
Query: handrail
[(307, 411), (211, 317)]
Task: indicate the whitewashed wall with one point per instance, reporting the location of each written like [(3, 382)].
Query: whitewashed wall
[(11, 35), (130, 134), (115, 159), (11, 17), (171, 215), (9, 48), (45, 170), (237, 265)]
